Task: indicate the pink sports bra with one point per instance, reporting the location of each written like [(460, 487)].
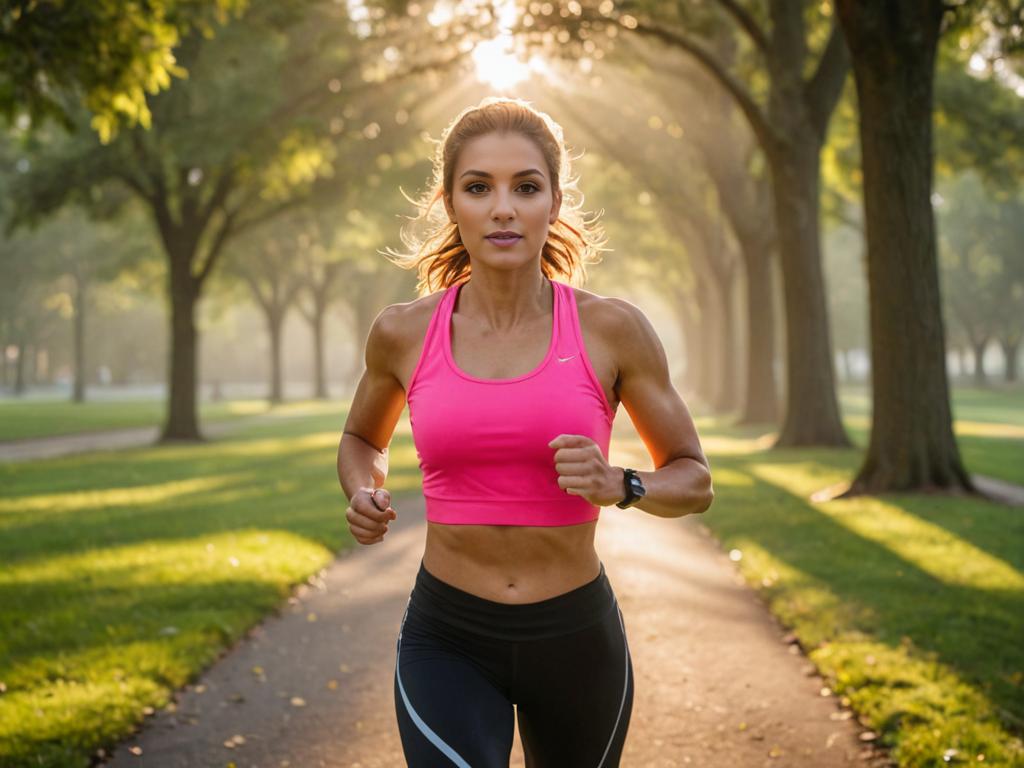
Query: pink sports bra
[(483, 443)]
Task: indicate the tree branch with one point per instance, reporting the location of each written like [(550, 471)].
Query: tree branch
[(823, 89), (216, 247), (745, 20), (751, 110)]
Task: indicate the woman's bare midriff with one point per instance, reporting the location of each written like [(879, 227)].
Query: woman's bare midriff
[(511, 563)]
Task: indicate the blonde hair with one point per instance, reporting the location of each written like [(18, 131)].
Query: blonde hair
[(439, 256)]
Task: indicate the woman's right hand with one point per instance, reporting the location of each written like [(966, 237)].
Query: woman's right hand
[(369, 514)]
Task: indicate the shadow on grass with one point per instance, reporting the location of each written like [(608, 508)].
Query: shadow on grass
[(252, 481), (123, 574), (974, 630)]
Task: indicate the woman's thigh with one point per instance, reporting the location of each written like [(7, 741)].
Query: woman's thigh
[(451, 705), (575, 696)]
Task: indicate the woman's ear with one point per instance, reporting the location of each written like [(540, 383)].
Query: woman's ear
[(556, 206), (449, 208)]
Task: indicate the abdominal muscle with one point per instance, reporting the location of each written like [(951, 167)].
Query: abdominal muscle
[(512, 563)]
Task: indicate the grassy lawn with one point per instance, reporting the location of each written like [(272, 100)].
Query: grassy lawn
[(912, 607), (122, 575), (20, 420)]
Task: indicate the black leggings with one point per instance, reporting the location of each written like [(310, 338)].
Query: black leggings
[(462, 662)]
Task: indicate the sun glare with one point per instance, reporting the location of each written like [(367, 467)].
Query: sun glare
[(497, 64)]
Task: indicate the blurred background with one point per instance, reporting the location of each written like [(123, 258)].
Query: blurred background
[(819, 204), (273, 181)]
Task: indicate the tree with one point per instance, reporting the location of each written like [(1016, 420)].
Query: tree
[(912, 446), (265, 263), (103, 54), (246, 139), (983, 267), (790, 127)]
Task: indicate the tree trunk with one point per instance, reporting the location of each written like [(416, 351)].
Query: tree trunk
[(760, 398), (19, 371), (686, 319), (735, 348), (912, 446), (980, 377), (709, 330), (30, 370), (1010, 357), (78, 386), (275, 321), (812, 411), (319, 373), (182, 423)]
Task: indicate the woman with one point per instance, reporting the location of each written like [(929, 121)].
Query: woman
[(513, 379)]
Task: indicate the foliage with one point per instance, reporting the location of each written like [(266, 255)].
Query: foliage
[(103, 54), (981, 233)]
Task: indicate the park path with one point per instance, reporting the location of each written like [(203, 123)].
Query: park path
[(718, 682), (32, 449)]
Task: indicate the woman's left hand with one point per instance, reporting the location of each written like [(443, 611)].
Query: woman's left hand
[(583, 470)]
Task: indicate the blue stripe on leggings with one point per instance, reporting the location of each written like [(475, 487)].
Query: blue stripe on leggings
[(625, 687), (432, 737)]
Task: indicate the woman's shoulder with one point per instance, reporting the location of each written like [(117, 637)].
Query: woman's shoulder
[(605, 314), (411, 318)]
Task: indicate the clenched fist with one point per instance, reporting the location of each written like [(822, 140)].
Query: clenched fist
[(369, 514)]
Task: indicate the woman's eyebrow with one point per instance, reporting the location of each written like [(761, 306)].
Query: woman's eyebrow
[(527, 172)]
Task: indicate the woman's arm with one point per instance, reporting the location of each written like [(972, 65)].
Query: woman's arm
[(680, 484), (376, 407)]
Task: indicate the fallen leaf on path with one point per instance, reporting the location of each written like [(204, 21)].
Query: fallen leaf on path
[(298, 701)]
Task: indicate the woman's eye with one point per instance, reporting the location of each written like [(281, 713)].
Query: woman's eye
[(533, 187)]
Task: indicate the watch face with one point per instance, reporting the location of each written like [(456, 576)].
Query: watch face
[(637, 486)]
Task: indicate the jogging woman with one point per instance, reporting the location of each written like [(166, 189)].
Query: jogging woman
[(513, 378)]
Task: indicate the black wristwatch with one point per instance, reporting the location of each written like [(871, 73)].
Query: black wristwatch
[(633, 487)]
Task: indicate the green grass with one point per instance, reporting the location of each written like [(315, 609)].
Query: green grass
[(21, 420), (123, 575), (911, 606)]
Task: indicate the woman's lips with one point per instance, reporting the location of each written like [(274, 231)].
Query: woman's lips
[(504, 241)]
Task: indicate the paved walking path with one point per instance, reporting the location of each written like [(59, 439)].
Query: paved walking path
[(35, 448), (717, 684)]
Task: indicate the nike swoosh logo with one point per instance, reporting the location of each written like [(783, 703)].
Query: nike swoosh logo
[(564, 359)]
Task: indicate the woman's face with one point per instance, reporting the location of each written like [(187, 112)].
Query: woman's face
[(501, 182)]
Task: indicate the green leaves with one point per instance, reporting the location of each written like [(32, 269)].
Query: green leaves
[(104, 54)]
